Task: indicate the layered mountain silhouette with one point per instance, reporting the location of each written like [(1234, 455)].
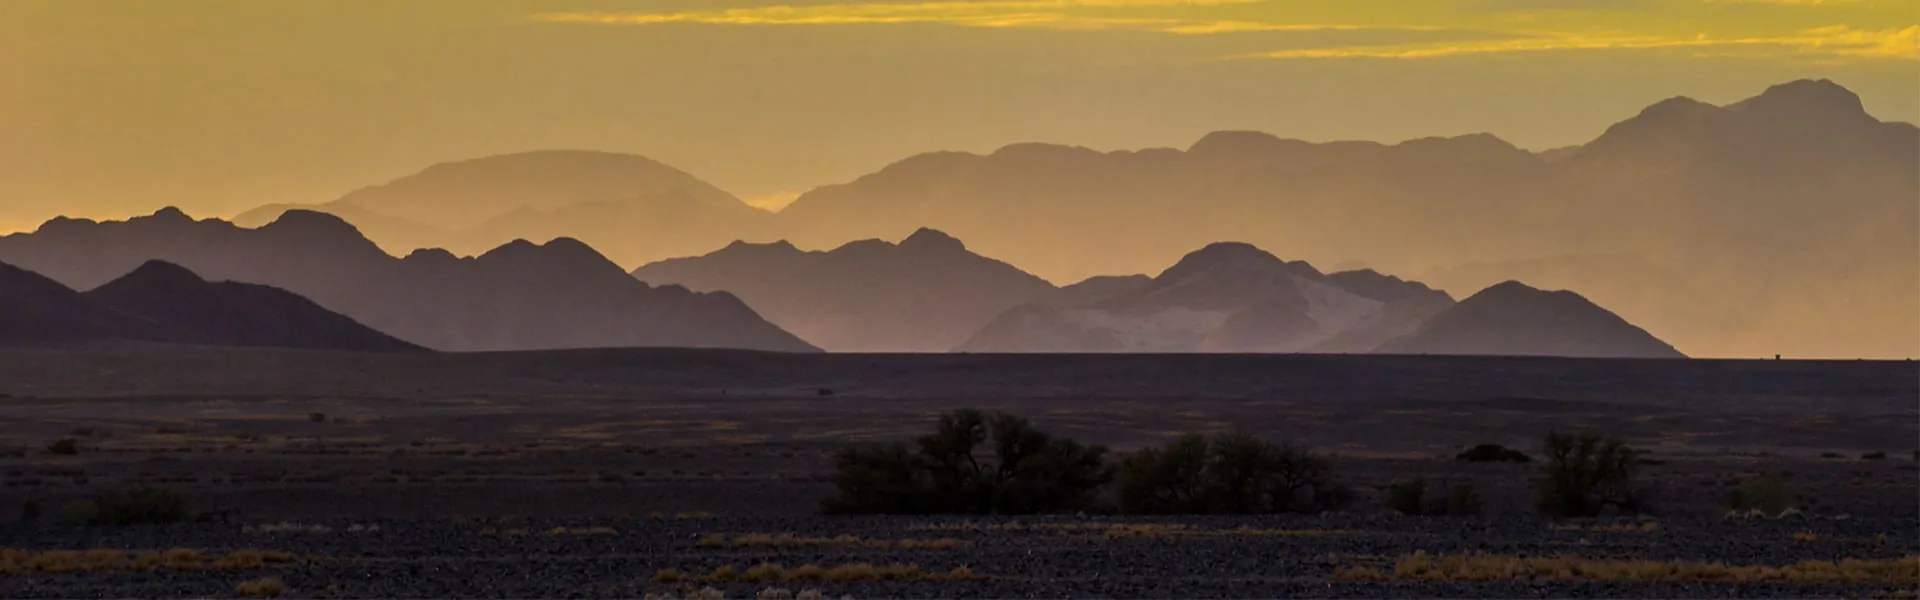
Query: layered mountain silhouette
[(1733, 230), (1512, 319), (1768, 212), (36, 310), (924, 294), (1226, 297), (165, 303), (623, 204), (519, 296)]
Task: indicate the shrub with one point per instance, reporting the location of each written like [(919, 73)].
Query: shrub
[(1227, 473), (140, 506), (1772, 495), (66, 447), (1874, 456), (1585, 474), (1407, 498), (1464, 500), (950, 472), (30, 512), (78, 513), (317, 417), (1493, 453)]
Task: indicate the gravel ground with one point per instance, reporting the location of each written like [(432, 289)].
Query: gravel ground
[(1018, 558)]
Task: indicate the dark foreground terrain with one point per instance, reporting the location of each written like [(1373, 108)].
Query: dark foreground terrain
[(624, 473)]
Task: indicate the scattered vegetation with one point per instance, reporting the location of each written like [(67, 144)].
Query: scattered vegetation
[(1494, 567), (1492, 453), (1585, 474), (948, 471), (1227, 473), (1771, 495)]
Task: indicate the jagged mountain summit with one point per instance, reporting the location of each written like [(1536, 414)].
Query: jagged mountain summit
[(520, 296), (927, 293), (1225, 297), (162, 303), (1513, 319)]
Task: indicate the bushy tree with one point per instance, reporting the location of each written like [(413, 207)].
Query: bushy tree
[(1492, 453), (1227, 473), (972, 463), (1585, 474)]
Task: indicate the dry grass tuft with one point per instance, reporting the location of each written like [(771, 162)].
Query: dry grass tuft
[(807, 573), (1493, 567), (1805, 536), (265, 587), (580, 531), (669, 576), (1359, 574), (765, 571), (286, 527), (787, 540), (692, 516), (724, 573)]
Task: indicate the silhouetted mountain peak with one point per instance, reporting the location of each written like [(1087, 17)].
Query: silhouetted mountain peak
[(160, 272), (313, 222), (560, 256), (1225, 255), (1805, 97), (773, 247), (932, 240), (170, 214)]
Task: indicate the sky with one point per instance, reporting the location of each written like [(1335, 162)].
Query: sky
[(114, 108)]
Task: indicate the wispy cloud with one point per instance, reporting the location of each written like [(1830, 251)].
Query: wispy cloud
[(1833, 41), (1035, 14), (1048, 14)]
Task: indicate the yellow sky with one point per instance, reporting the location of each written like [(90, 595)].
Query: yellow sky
[(116, 107)]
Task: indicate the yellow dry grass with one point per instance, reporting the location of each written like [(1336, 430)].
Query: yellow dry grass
[(1495, 567), (265, 587), (773, 572), (1131, 530), (13, 560), (787, 540)]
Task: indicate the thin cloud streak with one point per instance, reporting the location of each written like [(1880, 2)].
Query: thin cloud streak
[(1834, 41)]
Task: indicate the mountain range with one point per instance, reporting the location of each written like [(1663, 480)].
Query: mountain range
[(519, 296), (1783, 223), (162, 303)]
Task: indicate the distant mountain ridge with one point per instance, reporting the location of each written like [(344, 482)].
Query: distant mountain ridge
[(519, 296), (162, 303), (1225, 297), (925, 294), (1513, 319)]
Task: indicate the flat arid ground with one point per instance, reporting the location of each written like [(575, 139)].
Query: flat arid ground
[(620, 473)]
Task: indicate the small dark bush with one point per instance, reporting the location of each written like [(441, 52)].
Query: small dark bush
[(1874, 456), (66, 446), (139, 506), (30, 512), (1410, 498), (1585, 474), (78, 513), (1227, 473), (950, 472), (1463, 500), (1493, 453), (317, 417), (1832, 455), (1769, 494), (1407, 498)]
